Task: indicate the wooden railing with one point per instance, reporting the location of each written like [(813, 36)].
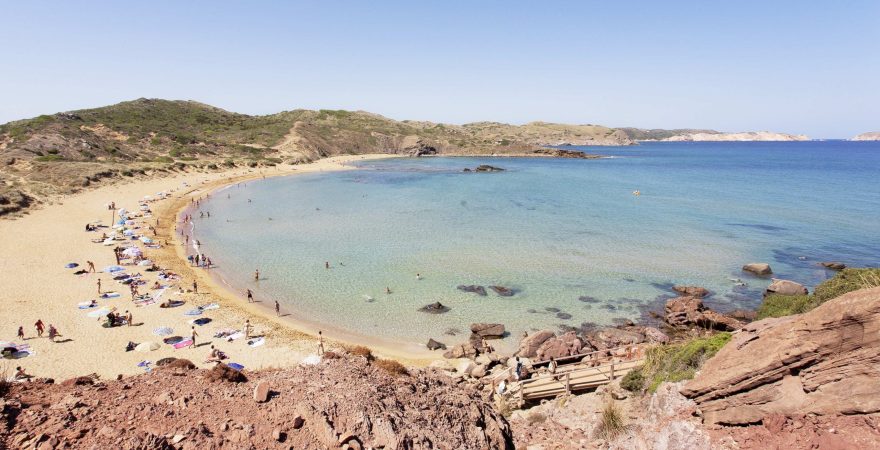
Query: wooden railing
[(638, 354)]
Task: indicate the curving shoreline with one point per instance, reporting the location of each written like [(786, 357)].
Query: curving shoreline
[(299, 328)]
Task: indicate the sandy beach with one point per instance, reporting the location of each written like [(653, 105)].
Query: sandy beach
[(37, 285)]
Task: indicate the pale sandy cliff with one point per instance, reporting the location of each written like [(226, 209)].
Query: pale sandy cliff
[(870, 136)]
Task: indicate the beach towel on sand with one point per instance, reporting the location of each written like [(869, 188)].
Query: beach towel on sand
[(194, 312), (256, 342), (86, 305), (234, 336), (184, 343), (235, 366), (110, 295)]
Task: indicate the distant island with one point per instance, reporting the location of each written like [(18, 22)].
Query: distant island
[(67, 152), (870, 136)]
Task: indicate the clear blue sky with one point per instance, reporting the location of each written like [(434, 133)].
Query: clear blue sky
[(808, 67)]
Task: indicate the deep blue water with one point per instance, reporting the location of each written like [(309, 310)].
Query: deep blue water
[(568, 235)]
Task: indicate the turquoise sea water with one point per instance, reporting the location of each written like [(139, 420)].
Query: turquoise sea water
[(568, 235)]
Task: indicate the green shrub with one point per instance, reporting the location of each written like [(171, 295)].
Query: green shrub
[(678, 362), (127, 173), (775, 305), (611, 423), (847, 280), (634, 380), (164, 159)]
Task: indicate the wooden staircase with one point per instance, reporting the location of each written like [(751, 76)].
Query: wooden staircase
[(573, 378)]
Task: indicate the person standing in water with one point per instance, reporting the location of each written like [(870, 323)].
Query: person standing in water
[(257, 275), (250, 296), (326, 264)]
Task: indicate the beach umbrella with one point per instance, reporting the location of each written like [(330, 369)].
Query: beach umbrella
[(147, 347), (163, 331), (111, 269)]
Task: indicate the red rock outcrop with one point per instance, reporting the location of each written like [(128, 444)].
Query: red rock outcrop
[(558, 347), (690, 311), (339, 403), (824, 362), (530, 344)]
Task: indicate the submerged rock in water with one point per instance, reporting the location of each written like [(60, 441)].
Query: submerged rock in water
[(502, 291), (834, 265), (480, 290), (435, 308), (488, 168), (690, 311), (758, 268), (552, 309), (434, 345), (588, 299), (563, 315), (692, 291)]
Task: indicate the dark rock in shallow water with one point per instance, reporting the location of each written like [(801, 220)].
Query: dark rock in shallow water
[(552, 309), (563, 316), (609, 307), (833, 265), (622, 322), (692, 291), (480, 290), (502, 291), (588, 299), (434, 345), (488, 168), (452, 331), (488, 330), (435, 308), (532, 310)]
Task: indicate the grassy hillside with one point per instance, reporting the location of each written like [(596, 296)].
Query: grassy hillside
[(65, 152)]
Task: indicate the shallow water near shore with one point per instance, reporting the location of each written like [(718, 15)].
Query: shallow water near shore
[(568, 236)]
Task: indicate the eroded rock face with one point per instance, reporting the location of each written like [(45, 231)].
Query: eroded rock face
[(338, 403), (566, 345), (826, 361), (690, 311), (528, 347), (758, 268), (606, 338), (786, 287)]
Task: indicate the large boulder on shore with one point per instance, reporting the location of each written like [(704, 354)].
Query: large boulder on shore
[(463, 350), (559, 347), (690, 311), (528, 347), (823, 362), (610, 337), (785, 287), (488, 330), (758, 268)]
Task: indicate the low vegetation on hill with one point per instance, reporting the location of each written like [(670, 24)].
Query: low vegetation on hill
[(847, 280), (674, 362), (66, 152)]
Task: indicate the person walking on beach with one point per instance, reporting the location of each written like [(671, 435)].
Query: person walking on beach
[(53, 333), (250, 296), (21, 333), (195, 287), (99, 286), (39, 327), (247, 329), (277, 308), (193, 336), (320, 343), (91, 266), (128, 317)]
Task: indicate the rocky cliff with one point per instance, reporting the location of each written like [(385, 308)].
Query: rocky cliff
[(823, 362)]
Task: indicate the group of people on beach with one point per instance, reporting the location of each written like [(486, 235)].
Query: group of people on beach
[(40, 328)]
